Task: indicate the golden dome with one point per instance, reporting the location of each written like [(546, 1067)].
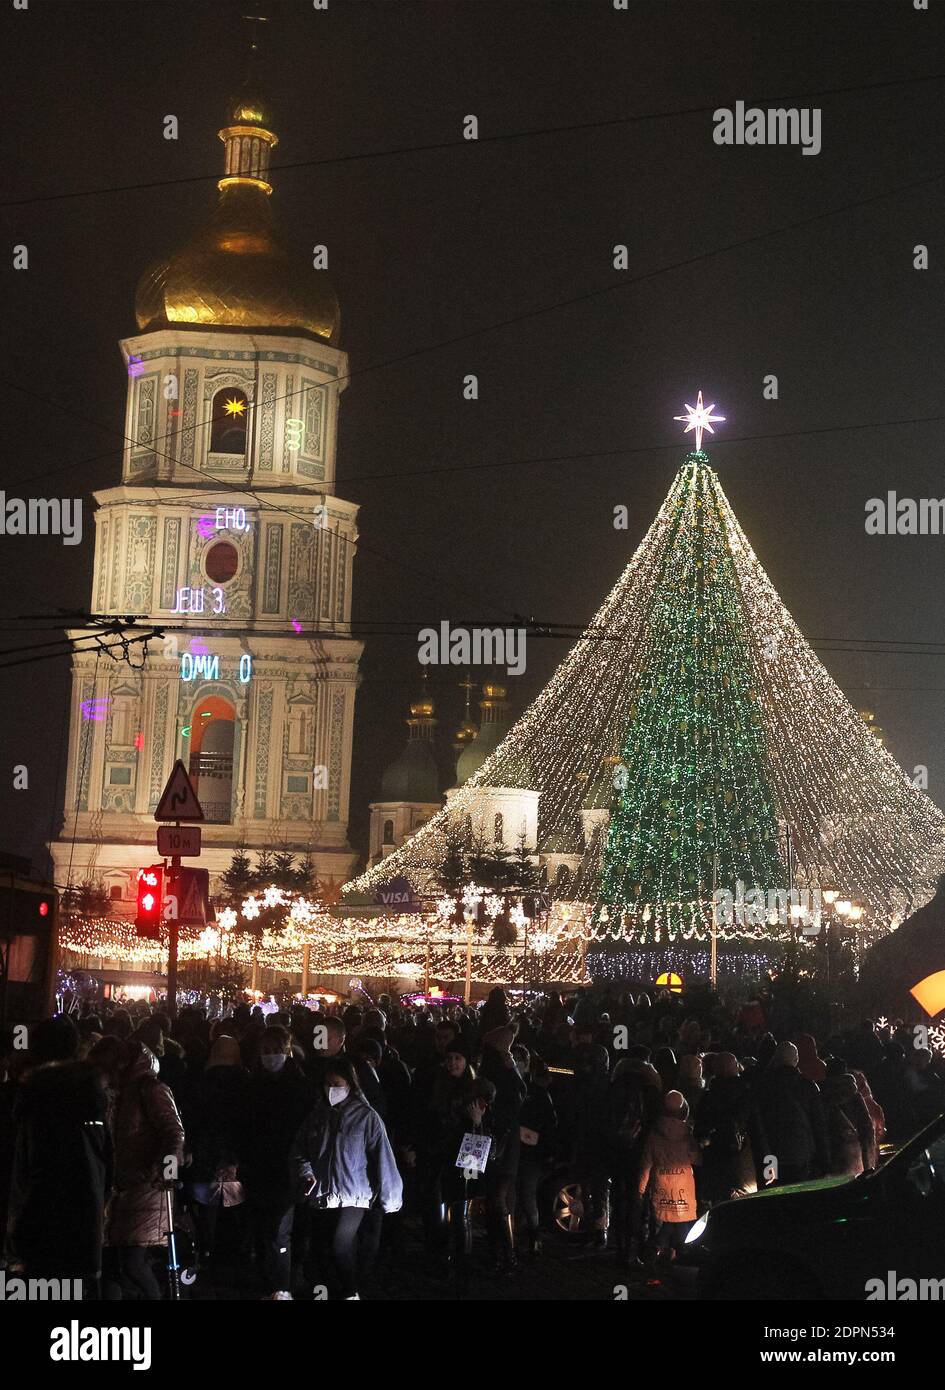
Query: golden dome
[(251, 110), (233, 273)]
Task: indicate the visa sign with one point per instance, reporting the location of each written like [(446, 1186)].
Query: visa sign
[(397, 896)]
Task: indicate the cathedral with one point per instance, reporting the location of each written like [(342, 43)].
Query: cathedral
[(224, 532)]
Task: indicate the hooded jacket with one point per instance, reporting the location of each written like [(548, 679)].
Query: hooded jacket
[(148, 1131), (346, 1150), (666, 1162)]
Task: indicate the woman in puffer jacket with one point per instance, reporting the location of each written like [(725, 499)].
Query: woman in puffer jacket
[(343, 1164), (850, 1135), (149, 1148), (666, 1174)]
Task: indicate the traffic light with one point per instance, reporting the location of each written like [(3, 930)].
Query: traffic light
[(150, 902), (27, 908)]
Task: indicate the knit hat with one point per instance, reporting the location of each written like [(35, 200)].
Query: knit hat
[(676, 1104), (785, 1055), (725, 1064), (225, 1052)]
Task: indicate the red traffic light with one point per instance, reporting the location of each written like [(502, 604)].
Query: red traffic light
[(44, 909), (150, 899)]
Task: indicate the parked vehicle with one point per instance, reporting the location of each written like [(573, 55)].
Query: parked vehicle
[(836, 1238)]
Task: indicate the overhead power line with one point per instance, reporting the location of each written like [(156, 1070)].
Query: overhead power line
[(484, 141)]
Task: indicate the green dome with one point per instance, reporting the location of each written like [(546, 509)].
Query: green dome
[(413, 776), (474, 754)]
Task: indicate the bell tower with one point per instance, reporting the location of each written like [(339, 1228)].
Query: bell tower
[(225, 531)]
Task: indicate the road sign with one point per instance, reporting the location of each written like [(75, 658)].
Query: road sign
[(182, 840), (193, 889), (178, 799)]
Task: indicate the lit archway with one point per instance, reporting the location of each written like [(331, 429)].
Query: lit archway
[(212, 731)]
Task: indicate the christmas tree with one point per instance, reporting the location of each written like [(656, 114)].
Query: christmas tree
[(689, 729), (693, 802)]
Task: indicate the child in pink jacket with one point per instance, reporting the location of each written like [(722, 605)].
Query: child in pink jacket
[(666, 1173)]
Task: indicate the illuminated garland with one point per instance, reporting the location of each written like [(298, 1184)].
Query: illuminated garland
[(406, 946), (856, 819), (644, 964)]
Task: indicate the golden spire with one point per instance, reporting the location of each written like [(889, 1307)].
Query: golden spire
[(234, 272), (248, 139), (421, 723)]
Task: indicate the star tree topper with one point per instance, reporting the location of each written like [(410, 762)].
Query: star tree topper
[(700, 418)]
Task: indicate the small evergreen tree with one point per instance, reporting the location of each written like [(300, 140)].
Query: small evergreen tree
[(306, 879), (263, 875), (238, 880), (451, 874), (481, 862), (89, 899), (283, 869), (524, 874)]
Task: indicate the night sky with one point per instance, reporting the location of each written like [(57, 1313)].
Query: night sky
[(486, 243)]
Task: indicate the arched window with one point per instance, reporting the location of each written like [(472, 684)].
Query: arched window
[(212, 727), (115, 891), (388, 832), (497, 828), (229, 415)]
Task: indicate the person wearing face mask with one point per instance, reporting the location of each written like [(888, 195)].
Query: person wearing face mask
[(279, 1099), (342, 1162)]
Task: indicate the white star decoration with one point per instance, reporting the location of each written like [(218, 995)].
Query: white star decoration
[(700, 418)]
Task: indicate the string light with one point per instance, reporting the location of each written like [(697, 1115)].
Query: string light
[(382, 946), (787, 747)]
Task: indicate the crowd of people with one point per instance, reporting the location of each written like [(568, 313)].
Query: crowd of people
[(308, 1142)]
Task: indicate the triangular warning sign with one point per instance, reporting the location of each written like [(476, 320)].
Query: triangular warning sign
[(178, 799), (193, 887)]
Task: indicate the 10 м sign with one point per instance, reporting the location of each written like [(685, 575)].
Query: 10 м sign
[(180, 840)]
